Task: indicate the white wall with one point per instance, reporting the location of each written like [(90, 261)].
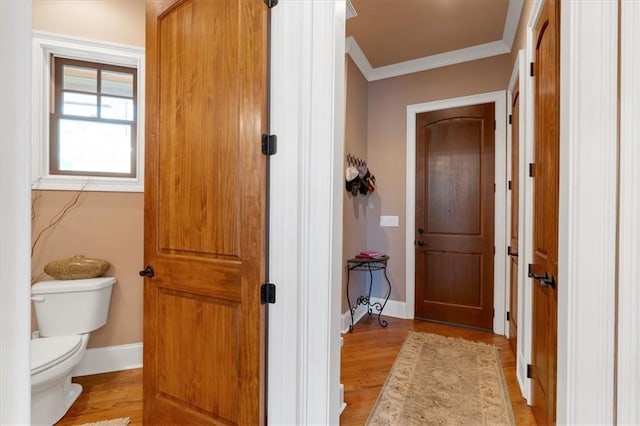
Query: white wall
[(15, 202)]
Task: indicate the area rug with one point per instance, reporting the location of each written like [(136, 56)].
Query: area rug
[(123, 421), (438, 380)]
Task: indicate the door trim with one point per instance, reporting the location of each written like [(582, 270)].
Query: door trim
[(587, 212), (500, 240), (525, 222), (628, 343)]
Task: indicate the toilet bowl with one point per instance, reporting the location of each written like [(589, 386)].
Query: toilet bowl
[(67, 311), (52, 361)]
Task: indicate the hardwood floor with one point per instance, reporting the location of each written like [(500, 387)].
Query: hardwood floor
[(367, 356), (369, 351)]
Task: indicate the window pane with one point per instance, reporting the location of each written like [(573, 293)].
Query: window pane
[(94, 147), (117, 83), (116, 108), (78, 78), (79, 104)]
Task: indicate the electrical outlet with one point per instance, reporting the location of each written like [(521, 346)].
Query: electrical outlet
[(389, 221)]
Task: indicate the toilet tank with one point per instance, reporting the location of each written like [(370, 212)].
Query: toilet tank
[(71, 306)]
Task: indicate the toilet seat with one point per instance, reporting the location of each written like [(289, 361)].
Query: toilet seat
[(47, 352)]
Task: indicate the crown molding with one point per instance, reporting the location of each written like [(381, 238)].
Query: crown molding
[(481, 51)]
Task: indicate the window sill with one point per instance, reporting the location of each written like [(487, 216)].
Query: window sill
[(84, 183)]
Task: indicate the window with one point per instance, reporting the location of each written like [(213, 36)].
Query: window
[(92, 123), (88, 104)]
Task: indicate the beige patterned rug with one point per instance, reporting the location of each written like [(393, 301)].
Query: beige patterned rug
[(438, 380)]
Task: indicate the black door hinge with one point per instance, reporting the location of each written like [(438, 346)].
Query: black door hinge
[(531, 69), (510, 118), (509, 185), (494, 124), (532, 169), (268, 293), (508, 315), (529, 371), (270, 3), (269, 144), (493, 313)]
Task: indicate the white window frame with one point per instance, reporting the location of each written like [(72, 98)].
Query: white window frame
[(44, 46)]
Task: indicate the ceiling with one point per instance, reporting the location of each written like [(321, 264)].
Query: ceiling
[(387, 38)]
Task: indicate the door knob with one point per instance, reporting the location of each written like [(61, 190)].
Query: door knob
[(420, 243), (544, 280), (148, 272), (420, 230)]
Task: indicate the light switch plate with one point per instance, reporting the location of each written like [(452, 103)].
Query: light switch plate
[(389, 221)]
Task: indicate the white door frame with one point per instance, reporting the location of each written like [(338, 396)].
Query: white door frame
[(525, 213), (628, 344), (15, 217), (500, 242)]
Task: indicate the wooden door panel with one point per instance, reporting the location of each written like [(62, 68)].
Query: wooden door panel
[(206, 327), (462, 272), (205, 212), (454, 215), (453, 176), (545, 206)]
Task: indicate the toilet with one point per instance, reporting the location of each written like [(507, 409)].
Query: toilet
[(67, 311)]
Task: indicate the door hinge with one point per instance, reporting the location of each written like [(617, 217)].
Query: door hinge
[(269, 144), (494, 124), (532, 169), (508, 315), (493, 313), (531, 69), (509, 185), (268, 293), (529, 371), (510, 118), (270, 3)]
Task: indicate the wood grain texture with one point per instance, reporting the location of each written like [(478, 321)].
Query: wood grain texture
[(205, 212), (367, 357), (455, 156), (545, 211), (370, 351)]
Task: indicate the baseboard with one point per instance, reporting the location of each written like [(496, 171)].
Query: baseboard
[(393, 308), (343, 404), (109, 358), (361, 310)]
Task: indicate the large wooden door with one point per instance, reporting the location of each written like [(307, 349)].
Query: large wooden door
[(544, 269), (514, 186), (455, 215), (205, 212)]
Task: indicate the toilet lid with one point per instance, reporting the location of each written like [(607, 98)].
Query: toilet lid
[(49, 351)]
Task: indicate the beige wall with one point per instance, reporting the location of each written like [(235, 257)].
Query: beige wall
[(116, 21), (355, 207), (386, 148), (104, 225)]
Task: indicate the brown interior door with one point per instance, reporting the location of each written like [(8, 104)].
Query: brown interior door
[(205, 212), (514, 185), (544, 269), (454, 215)]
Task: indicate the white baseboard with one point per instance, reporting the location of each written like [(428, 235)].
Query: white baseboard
[(109, 358), (393, 308), (343, 404)]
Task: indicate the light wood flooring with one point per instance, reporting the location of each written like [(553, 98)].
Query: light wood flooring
[(367, 356)]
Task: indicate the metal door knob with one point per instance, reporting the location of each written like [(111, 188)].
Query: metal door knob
[(148, 272), (420, 243)]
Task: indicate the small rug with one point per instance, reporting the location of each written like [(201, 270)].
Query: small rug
[(123, 421), (439, 380)]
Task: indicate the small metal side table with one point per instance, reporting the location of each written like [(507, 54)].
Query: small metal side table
[(368, 264)]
